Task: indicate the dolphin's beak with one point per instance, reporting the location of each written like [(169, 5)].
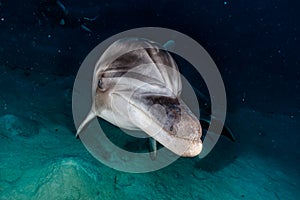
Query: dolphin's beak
[(170, 122)]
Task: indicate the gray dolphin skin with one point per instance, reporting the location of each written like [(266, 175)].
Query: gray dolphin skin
[(137, 86)]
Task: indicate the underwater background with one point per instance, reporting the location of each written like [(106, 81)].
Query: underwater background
[(255, 45)]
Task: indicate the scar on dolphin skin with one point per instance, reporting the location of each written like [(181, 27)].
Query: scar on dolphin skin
[(172, 110)]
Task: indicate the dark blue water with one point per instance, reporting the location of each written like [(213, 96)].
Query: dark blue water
[(255, 44)]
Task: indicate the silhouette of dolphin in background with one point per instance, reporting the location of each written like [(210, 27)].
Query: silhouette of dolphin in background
[(56, 13)]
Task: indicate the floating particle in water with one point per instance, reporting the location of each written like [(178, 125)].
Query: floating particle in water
[(225, 2)]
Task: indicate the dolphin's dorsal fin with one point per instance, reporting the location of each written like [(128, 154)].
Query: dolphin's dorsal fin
[(169, 45)]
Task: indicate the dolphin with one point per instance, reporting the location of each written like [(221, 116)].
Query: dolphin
[(137, 86)]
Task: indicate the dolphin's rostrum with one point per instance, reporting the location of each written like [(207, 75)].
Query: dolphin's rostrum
[(137, 86)]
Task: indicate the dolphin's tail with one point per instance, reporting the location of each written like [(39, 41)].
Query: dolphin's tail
[(225, 132)]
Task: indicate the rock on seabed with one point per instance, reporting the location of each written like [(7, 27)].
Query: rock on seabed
[(68, 178), (13, 125)]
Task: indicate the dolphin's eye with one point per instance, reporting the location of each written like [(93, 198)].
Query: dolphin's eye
[(100, 83)]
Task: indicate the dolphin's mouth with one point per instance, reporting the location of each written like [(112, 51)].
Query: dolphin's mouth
[(169, 121)]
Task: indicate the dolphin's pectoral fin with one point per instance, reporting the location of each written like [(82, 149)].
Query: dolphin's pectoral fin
[(90, 116), (153, 148), (225, 132)]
